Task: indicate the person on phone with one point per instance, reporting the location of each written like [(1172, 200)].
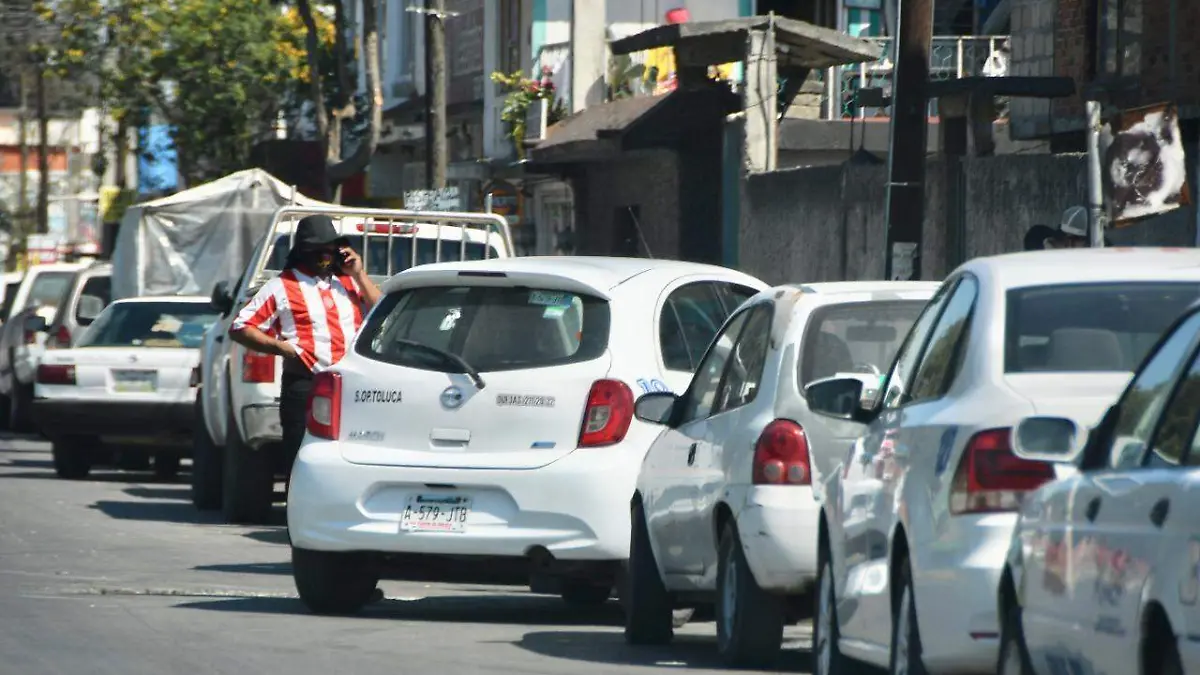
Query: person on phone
[(307, 315)]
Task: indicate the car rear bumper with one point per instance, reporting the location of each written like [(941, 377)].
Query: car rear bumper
[(778, 530), (956, 589), (576, 509), (171, 420)]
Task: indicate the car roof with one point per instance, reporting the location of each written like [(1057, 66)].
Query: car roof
[(600, 272), (1040, 268), (857, 287), (199, 299)]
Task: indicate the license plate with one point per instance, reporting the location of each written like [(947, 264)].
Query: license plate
[(436, 513), (135, 380)]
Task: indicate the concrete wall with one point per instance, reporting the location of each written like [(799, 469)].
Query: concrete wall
[(648, 181), (827, 223)]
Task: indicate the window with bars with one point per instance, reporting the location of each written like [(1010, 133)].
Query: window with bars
[(1119, 25)]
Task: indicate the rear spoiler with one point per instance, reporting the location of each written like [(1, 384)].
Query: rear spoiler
[(478, 274), (489, 223)]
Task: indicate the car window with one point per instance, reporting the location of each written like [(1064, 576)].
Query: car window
[(854, 337), (492, 328), (690, 317), (703, 391), (47, 289), (99, 286), (735, 295), (947, 346), (150, 324), (743, 372), (908, 355), (1106, 327), (402, 252), (1146, 395)]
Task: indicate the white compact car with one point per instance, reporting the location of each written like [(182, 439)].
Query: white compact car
[(128, 382), (486, 410), (910, 573), (725, 502), (1103, 574)]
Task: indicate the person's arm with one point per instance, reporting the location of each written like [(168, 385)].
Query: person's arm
[(251, 323), (352, 266)]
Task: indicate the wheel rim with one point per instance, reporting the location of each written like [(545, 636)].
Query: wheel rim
[(824, 646), (729, 595), (900, 658)]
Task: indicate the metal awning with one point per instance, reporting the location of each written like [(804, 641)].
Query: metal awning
[(799, 44)]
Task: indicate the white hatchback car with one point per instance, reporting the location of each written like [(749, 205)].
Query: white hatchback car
[(910, 580), (1103, 574), (486, 410), (725, 503), (129, 381)]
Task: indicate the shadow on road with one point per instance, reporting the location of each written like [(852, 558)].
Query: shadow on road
[(477, 609), (31, 463), (248, 568), (685, 651), (180, 492), (167, 512), (96, 476)]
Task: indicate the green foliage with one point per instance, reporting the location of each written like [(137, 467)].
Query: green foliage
[(216, 71), (521, 92)]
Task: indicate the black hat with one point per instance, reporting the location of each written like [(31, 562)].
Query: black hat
[(316, 230)]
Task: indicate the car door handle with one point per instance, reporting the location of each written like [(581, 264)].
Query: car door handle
[(1158, 514), (1093, 509), (692, 454)]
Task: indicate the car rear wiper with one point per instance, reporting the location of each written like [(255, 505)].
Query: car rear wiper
[(457, 360)]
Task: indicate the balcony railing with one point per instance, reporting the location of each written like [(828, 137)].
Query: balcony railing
[(951, 57)]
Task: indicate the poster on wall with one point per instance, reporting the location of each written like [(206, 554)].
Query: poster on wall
[(1144, 164)]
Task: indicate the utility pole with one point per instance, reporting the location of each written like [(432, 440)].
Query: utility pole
[(909, 129), (1097, 220), (43, 196), (436, 153), (23, 178)]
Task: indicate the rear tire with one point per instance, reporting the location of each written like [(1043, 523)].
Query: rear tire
[(906, 633), (333, 583), (71, 460), (166, 465), (248, 485), (19, 404), (749, 619), (648, 609), (827, 655), (581, 593), (1014, 657), (206, 466)]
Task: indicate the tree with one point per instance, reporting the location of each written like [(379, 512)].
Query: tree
[(334, 113), (216, 72)]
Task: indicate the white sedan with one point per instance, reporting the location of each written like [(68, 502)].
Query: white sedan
[(1103, 575), (486, 409), (725, 504), (127, 382), (913, 584)]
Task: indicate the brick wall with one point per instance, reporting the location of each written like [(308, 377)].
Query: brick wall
[(1055, 37)]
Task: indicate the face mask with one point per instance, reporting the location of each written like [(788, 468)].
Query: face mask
[(320, 260)]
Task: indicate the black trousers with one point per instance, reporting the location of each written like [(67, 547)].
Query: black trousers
[(293, 412)]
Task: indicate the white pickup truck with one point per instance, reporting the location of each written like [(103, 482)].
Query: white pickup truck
[(237, 455)]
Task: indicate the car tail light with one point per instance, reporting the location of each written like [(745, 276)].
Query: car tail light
[(608, 414), (258, 367), (48, 373), (990, 478), (781, 455), (60, 340), (325, 406)]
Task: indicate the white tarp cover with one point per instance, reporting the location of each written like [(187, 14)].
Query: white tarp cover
[(185, 243)]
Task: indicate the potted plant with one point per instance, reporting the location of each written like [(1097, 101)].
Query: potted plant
[(521, 93)]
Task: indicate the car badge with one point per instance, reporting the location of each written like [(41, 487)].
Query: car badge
[(452, 397)]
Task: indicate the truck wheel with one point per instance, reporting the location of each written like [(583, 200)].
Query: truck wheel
[(206, 466), (248, 485), (333, 583), (166, 465), (71, 458)]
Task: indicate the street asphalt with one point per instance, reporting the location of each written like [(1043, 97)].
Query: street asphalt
[(120, 575)]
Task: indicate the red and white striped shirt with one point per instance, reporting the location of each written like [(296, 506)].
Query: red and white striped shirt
[(316, 316)]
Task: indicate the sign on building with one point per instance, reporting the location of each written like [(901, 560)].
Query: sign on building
[(445, 199), (1145, 167)]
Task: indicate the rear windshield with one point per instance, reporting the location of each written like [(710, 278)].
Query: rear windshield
[(48, 289), (402, 251), (1089, 327), (491, 328), (855, 337), (150, 324)]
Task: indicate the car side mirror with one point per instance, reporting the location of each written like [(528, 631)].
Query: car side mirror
[(1057, 440), (844, 397), (35, 323), (89, 308), (222, 298), (657, 407)]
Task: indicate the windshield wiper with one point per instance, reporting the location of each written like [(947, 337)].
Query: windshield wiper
[(457, 360)]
